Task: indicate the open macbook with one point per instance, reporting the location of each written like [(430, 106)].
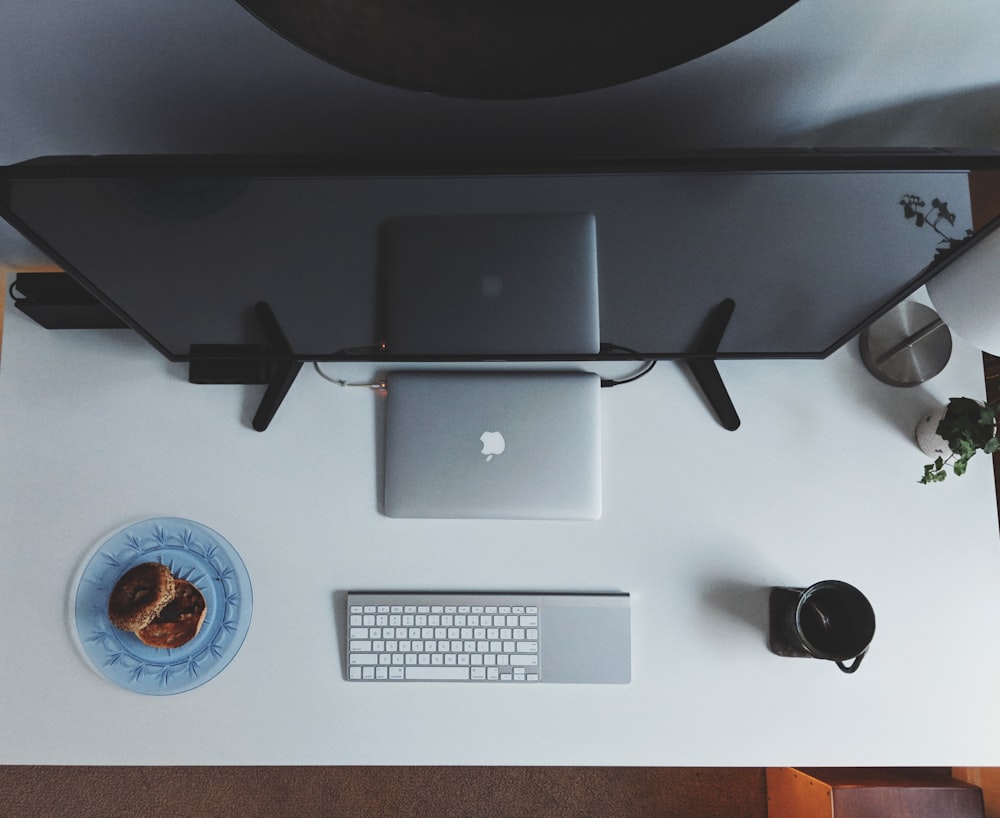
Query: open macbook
[(490, 284), (502, 444)]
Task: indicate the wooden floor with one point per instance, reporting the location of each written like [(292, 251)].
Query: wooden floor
[(371, 792)]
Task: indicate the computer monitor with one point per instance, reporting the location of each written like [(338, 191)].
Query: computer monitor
[(277, 259)]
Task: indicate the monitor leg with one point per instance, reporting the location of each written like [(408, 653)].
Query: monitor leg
[(282, 373), (706, 373), (282, 377)]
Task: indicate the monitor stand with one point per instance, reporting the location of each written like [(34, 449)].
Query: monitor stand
[(282, 372), (276, 366), (704, 369), (273, 364)]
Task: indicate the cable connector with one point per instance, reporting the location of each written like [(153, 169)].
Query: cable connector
[(377, 385)]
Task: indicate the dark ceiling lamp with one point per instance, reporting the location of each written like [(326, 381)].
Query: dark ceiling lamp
[(510, 49)]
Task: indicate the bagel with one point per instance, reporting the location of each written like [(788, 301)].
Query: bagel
[(139, 595), (179, 621)]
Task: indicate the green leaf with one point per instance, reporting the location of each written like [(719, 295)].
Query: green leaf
[(963, 447), (931, 476)]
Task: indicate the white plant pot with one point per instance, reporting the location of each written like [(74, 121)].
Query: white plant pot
[(929, 441)]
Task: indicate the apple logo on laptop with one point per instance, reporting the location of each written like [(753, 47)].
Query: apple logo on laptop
[(491, 286), (493, 443)]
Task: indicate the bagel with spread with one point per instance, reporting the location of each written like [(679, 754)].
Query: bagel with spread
[(162, 610), (179, 622), (140, 594)]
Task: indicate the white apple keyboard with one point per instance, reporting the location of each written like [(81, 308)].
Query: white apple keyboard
[(489, 637)]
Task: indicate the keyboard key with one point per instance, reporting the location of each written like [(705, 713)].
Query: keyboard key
[(438, 673), (528, 659)]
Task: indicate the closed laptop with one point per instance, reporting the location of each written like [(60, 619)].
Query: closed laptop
[(518, 445), (491, 284)]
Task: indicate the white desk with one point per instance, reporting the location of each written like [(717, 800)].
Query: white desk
[(820, 482)]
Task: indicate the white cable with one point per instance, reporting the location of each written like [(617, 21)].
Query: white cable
[(368, 384)]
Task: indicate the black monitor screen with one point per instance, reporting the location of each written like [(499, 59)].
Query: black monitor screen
[(183, 248)]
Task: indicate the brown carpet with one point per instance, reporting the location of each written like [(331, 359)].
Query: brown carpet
[(427, 792)]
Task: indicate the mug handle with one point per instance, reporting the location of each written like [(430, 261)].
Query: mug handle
[(855, 664)]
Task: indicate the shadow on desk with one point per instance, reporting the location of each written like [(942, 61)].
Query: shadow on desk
[(744, 603)]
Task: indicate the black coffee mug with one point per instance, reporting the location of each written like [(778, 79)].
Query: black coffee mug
[(828, 620)]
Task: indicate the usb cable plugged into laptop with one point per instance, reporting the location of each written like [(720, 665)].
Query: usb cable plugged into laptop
[(644, 370), (609, 382), (378, 385)]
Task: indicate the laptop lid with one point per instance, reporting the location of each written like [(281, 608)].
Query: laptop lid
[(518, 445), (493, 284)]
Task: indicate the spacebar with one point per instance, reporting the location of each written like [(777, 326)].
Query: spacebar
[(437, 672)]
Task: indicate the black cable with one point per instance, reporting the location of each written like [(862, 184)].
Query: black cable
[(609, 382), (647, 366)]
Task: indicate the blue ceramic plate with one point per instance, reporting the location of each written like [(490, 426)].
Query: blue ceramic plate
[(192, 552)]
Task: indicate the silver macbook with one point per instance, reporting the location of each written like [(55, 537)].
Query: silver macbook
[(493, 284), (519, 445)]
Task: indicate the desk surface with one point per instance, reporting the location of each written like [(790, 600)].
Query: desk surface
[(820, 482)]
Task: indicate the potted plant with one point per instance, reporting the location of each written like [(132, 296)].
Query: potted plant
[(955, 433)]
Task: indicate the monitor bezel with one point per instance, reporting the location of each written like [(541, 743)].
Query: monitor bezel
[(363, 166)]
